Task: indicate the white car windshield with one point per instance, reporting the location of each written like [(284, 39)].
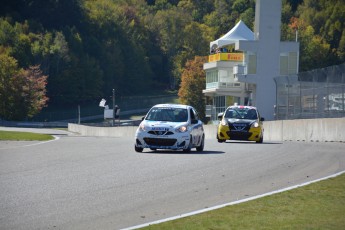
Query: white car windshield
[(241, 113), (167, 114)]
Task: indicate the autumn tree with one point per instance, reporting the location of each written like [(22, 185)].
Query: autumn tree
[(193, 81), (22, 92), (30, 97)]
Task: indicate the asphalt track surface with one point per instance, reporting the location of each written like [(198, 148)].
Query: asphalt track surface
[(80, 182)]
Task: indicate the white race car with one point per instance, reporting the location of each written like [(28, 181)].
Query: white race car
[(170, 126)]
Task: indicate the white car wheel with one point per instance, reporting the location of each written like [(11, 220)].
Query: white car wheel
[(138, 149), (200, 148), (187, 150)]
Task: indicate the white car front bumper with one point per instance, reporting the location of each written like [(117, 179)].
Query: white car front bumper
[(174, 141)]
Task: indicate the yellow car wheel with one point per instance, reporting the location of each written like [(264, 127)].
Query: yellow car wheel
[(260, 140), (220, 140)]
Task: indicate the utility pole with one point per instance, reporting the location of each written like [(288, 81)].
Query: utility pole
[(78, 114), (113, 107)]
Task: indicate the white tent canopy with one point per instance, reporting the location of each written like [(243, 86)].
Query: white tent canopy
[(239, 32)]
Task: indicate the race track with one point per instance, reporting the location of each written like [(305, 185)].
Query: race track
[(80, 182)]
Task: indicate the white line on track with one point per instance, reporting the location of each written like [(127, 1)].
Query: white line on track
[(44, 142), (233, 203), (38, 143)]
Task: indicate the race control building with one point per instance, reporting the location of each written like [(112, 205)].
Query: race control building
[(243, 64)]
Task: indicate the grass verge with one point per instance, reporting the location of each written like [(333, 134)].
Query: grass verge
[(24, 136), (316, 206)]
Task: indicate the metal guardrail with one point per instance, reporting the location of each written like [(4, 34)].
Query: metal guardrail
[(28, 124), (64, 123), (94, 112)]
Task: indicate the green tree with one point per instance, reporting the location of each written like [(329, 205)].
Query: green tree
[(220, 18), (7, 33), (168, 25), (227, 13), (8, 69), (84, 82), (327, 20), (198, 9), (312, 47), (196, 42), (52, 14), (118, 37), (193, 81)]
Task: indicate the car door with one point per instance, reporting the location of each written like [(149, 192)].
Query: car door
[(196, 125)]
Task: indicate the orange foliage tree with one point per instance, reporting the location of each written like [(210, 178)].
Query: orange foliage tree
[(22, 92), (193, 81), (30, 85)]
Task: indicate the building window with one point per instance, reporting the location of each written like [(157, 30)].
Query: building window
[(211, 76), (288, 63), (293, 60), (219, 104), (230, 100), (284, 65), (251, 64), (224, 75)]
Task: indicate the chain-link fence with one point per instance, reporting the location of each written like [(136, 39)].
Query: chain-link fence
[(318, 93)]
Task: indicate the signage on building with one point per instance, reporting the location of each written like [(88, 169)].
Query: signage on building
[(226, 57)]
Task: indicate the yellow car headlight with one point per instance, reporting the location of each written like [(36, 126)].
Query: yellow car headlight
[(224, 122), (255, 125)]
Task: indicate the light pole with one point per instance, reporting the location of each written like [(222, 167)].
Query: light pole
[(113, 107), (78, 114)]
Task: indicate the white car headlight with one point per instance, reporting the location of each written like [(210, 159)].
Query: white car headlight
[(142, 127), (255, 125), (182, 129)]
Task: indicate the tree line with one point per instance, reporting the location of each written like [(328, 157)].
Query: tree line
[(79, 50)]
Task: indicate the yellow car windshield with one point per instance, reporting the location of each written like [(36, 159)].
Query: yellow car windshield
[(241, 113)]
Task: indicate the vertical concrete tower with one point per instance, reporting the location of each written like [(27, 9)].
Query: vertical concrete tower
[(267, 33), (268, 52)]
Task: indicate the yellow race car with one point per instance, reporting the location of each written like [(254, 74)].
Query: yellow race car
[(241, 123)]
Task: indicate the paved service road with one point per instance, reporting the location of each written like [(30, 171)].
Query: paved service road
[(102, 183)]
